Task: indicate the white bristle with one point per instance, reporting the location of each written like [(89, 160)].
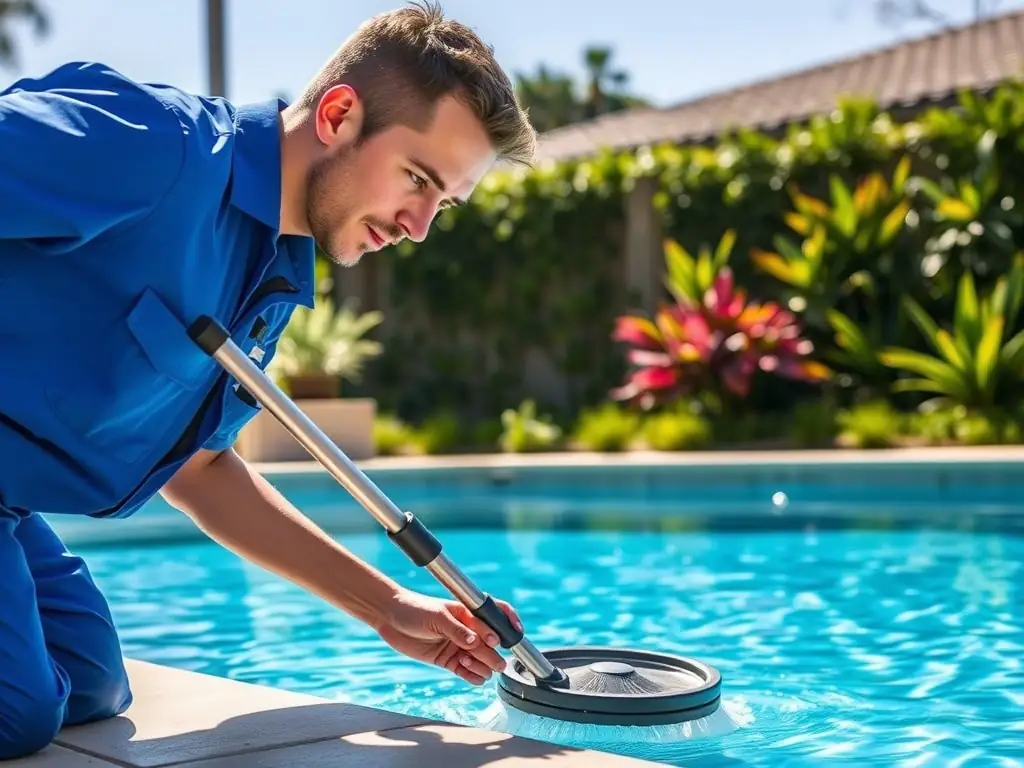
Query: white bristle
[(656, 742)]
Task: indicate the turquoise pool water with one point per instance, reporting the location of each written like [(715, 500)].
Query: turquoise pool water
[(890, 645)]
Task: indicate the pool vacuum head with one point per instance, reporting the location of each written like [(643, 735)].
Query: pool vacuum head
[(600, 686), (615, 686)]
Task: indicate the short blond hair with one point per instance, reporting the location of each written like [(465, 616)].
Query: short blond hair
[(402, 62)]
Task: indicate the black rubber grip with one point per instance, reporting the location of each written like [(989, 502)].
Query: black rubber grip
[(416, 541), (491, 615), (208, 334)]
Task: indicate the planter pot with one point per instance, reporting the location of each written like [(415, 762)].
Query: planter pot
[(312, 386), (348, 421)]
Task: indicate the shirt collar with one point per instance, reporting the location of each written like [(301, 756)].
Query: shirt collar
[(256, 187)]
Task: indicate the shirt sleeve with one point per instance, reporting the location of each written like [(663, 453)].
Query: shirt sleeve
[(83, 150)]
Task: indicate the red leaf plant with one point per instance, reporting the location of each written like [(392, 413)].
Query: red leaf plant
[(720, 343)]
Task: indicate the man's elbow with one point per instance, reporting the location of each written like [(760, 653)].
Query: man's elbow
[(192, 474)]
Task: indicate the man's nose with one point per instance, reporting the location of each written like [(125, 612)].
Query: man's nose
[(417, 220)]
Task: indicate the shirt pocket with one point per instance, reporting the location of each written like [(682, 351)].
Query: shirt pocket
[(136, 388), (239, 406)]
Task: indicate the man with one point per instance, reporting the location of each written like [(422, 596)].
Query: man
[(127, 210)]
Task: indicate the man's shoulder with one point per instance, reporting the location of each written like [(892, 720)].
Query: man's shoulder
[(89, 109), (87, 86), (100, 100)]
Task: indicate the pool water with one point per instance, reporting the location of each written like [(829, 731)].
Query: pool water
[(882, 647)]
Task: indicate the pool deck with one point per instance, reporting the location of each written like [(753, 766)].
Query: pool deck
[(185, 718)]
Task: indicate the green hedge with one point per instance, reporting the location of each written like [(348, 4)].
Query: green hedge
[(864, 226), (532, 264)]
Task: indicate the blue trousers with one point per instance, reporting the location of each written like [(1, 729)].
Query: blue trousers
[(60, 657)]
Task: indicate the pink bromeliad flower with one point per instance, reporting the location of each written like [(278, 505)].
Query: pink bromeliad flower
[(721, 342)]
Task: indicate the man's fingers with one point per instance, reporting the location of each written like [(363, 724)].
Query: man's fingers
[(465, 616), (464, 634), (469, 676), (465, 666), (486, 652), (489, 658), (474, 665), (482, 630), (517, 622)]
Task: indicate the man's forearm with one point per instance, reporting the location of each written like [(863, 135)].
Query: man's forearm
[(237, 507)]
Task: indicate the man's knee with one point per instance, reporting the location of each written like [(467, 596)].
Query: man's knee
[(35, 705), (77, 627), (28, 723), (63, 663), (98, 692)]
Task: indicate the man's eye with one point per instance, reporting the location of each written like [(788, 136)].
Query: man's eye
[(419, 181)]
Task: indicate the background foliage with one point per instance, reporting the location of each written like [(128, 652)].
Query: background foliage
[(864, 227)]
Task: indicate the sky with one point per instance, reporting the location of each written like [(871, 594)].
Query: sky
[(674, 51)]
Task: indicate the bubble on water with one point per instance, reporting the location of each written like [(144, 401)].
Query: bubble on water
[(808, 601), (779, 501)]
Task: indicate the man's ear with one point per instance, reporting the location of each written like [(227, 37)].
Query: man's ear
[(339, 115)]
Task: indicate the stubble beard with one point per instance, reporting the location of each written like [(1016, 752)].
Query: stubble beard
[(328, 216)]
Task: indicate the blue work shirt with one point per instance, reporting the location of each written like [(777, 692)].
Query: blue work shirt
[(127, 210)]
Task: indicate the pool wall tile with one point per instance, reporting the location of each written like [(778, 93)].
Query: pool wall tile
[(907, 486)]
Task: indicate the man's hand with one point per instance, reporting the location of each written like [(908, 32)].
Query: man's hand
[(445, 633), (238, 508)]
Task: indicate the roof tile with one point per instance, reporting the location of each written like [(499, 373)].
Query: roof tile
[(911, 72)]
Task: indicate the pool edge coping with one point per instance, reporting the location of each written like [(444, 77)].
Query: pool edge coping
[(187, 718), (562, 460)]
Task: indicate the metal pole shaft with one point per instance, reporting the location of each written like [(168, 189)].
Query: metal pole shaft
[(216, 53), (327, 453)]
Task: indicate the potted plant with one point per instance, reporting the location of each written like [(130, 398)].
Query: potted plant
[(319, 350), (322, 347)]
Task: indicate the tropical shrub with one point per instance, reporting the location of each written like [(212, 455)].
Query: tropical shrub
[(840, 238), (873, 424), (524, 430), (976, 363), (715, 345), (678, 429), (606, 428), (391, 436), (440, 432)]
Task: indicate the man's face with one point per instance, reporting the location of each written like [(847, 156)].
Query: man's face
[(364, 196)]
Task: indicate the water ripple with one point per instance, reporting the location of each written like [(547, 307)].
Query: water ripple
[(889, 648)]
